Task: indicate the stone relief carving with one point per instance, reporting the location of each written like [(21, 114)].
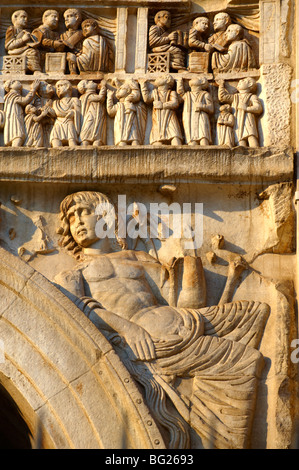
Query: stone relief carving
[(165, 125), (247, 106), (129, 113), (66, 110), (14, 127), (73, 36), (163, 41), (93, 113), (163, 342), (198, 106), (19, 41)]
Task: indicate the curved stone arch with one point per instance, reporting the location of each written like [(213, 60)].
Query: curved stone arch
[(62, 372)]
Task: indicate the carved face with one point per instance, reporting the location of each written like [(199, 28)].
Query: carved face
[(63, 88), (71, 19), (82, 220), (164, 19), (20, 19), (201, 24), (88, 29), (232, 33), (220, 22), (51, 19), (16, 85), (246, 84)]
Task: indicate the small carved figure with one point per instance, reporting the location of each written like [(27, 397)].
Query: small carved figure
[(225, 126), (164, 344), (45, 35), (198, 106), (67, 113), (14, 104), (239, 55), (247, 106), (160, 40), (165, 124), (43, 99), (33, 125), (218, 39), (129, 114), (94, 56), (73, 36), (196, 41), (19, 41), (93, 112)]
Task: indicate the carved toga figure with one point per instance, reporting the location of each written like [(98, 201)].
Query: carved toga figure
[(165, 125), (198, 106), (129, 114), (164, 346), (95, 50), (160, 40), (66, 111), (93, 112)]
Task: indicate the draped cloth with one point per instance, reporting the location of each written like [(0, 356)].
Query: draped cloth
[(66, 127), (94, 123), (224, 374), (196, 123), (238, 57), (165, 122), (94, 56), (129, 122), (15, 126)]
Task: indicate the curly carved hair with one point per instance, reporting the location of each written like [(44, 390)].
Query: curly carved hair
[(93, 199)]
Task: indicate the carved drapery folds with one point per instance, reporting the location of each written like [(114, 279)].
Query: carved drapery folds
[(78, 45)]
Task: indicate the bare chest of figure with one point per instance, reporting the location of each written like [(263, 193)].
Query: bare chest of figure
[(119, 285)]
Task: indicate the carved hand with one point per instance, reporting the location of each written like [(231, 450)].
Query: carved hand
[(219, 82), (158, 105), (140, 342), (35, 85)]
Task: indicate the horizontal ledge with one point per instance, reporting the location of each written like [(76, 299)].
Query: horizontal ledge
[(147, 164), (121, 75)]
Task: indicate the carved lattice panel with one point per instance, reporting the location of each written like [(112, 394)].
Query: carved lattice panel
[(14, 64), (158, 62)]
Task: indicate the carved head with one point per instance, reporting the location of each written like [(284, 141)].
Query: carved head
[(90, 27), (199, 84), (201, 24), (19, 19), (164, 80), (221, 21), (72, 18), (64, 88), (50, 19), (247, 84), (78, 215), (234, 32), (225, 108), (45, 90), (30, 109), (13, 85), (163, 18)]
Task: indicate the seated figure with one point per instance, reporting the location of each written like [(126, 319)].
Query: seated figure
[(18, 41), (160, 40), (165, 344), (196, 35), (95, 53), (239, 55), (73, 36), (45, 35)]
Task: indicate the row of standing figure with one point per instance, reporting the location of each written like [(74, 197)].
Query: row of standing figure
[(40, 120)]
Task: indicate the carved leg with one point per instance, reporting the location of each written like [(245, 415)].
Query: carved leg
[(73, 143), (253, 141), (176, 141), (18, 142), (204, 141), (56, 143)]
